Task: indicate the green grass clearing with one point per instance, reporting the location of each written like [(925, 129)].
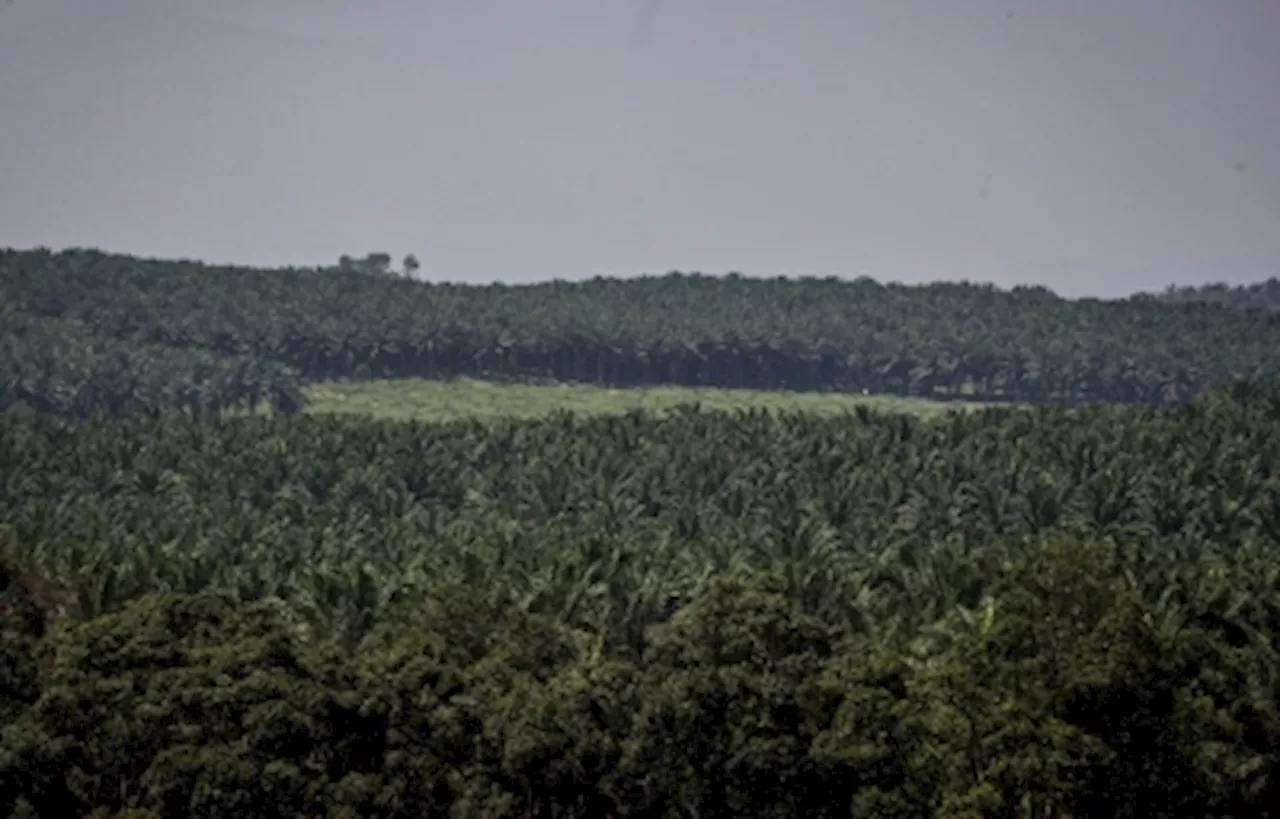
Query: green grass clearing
[(426, 400)]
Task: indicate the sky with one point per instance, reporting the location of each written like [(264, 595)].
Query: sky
[(1097, 147)]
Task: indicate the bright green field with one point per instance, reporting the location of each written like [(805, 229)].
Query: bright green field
[(425, 400)]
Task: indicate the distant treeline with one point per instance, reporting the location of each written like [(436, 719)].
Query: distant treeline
[(63, 366), (940, 341), (1258, 296)]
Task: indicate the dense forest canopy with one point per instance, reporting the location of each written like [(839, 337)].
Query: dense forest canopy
[(1052, 612), (944, 341)]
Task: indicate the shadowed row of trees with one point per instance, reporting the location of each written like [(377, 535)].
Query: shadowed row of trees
[(1264, 295), (943, 341), (63, 366), (1007, 613)]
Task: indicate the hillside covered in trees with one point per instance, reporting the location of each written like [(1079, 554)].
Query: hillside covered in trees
[(940, 341)]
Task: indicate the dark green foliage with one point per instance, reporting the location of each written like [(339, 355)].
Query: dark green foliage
[(1066, 693), (467, 686), (945, 341), (64, 367), (30, 605), (189, 706), (732, 702), (611, 523)]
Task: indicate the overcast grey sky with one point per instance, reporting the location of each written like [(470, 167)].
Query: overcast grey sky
[(1094, 146)]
